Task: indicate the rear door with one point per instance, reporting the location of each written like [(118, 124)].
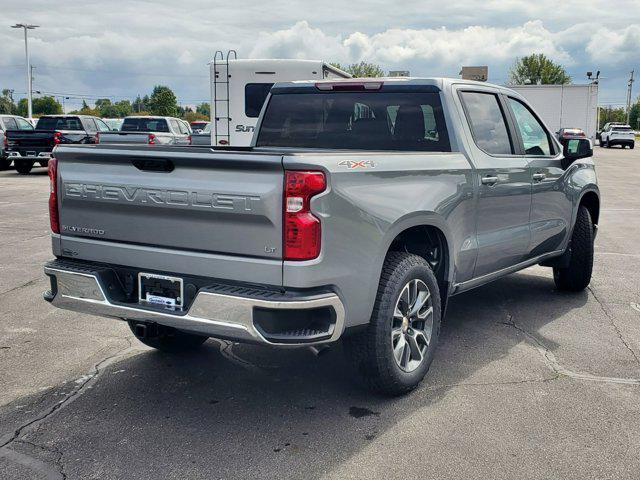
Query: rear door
[(179, 198), (504, 183), (550, 209)]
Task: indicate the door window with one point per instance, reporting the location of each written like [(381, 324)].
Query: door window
[(23, 124), (10, 123), (534, 136), (102, 127), (488, 125)]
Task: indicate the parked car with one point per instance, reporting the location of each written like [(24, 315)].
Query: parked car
[(203, 137), (10, 122), (360, 209), (26, 147), (114, 123), (618, 134), (150, 130), (198, 126), (606, 127), (569, 133)]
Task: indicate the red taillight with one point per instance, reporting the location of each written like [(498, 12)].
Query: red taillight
[(189, 138), (152, 139), (53, 195), (97, 137), (302, 230), (223, 142), (56, 138)]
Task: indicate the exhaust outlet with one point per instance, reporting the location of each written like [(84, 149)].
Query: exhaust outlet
[(319, 350)]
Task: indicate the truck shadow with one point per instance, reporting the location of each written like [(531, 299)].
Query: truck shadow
[(236, 411)]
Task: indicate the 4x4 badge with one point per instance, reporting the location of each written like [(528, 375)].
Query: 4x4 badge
[(352, 164)]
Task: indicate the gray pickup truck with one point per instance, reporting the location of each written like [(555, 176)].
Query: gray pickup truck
[(360, 209), (150, 131)]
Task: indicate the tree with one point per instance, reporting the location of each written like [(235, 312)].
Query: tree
[(163, 101), (204, 109), (193, 116), (6, 102), (634, 115), (41, 106), (610, 114), (537, 69), (362, 69)]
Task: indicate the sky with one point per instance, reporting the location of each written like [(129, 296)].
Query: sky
[(120, 48)]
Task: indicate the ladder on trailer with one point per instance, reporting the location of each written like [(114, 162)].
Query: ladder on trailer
[(221, 108)]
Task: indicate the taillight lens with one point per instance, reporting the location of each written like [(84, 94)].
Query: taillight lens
[(54, 219), (189, 139), (302, 230), (97, 137), (56, 138), (152, 139)]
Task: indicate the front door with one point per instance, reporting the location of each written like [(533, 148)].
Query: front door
[(504, 184), (550, 210)]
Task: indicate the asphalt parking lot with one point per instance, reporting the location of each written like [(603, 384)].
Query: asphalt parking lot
[(527, 383)]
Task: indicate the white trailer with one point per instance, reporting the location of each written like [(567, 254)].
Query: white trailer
[(564, 106), (240, 87)]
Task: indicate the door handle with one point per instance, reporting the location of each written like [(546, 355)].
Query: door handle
[(489, 180), (539, 176)]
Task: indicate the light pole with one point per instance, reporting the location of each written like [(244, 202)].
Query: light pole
[(26, 27)]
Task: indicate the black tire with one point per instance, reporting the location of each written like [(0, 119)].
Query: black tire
[(167, 339), (5, 163), (577, 275), (372, 351), (607, 143), (44, 163), (632, 145), (23, 167)]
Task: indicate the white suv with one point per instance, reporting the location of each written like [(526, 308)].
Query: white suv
[(618, 134)]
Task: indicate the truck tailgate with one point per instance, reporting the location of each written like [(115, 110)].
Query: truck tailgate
[(177, 198), (124, 137)]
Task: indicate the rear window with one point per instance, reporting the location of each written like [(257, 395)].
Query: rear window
[(254, 96), (144, 125), (355, 120), (59, 123), (621, 129)]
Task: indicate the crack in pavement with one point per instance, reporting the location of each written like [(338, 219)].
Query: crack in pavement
[(87, 380), (26, 284), (494, 384), (613, 324), (554, 365)]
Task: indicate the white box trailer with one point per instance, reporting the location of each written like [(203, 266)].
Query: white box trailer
[(240, 87), (564, 106)]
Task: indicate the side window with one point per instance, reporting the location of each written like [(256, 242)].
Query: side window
[(254, 96), (534, 136), (10, 123), (102, 127), (174, 126), (184, 129), (487, 122), (23, 124), (90, 125)]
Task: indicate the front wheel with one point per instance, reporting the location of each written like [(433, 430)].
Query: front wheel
[(23, 167), (165, 339), (395, 352), (577, 275)]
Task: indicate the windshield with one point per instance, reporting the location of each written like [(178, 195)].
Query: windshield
[(355, 120), (144, 125), (59, 123)]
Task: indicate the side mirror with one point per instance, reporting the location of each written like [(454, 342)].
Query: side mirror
[(575, 148)]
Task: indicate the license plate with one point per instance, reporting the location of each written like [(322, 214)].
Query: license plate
[(160, 290)]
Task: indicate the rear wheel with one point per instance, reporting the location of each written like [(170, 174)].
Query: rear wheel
[(5, 163), (23, 167), (165, 339), (577, 275), (395, 352)]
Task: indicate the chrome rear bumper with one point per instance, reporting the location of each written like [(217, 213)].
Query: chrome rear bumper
[(211, 313)]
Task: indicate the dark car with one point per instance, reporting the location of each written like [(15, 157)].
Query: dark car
[(570, 133), (26, 147)]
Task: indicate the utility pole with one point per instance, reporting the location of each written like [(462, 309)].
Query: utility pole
[(25, 27), (630, 87)]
